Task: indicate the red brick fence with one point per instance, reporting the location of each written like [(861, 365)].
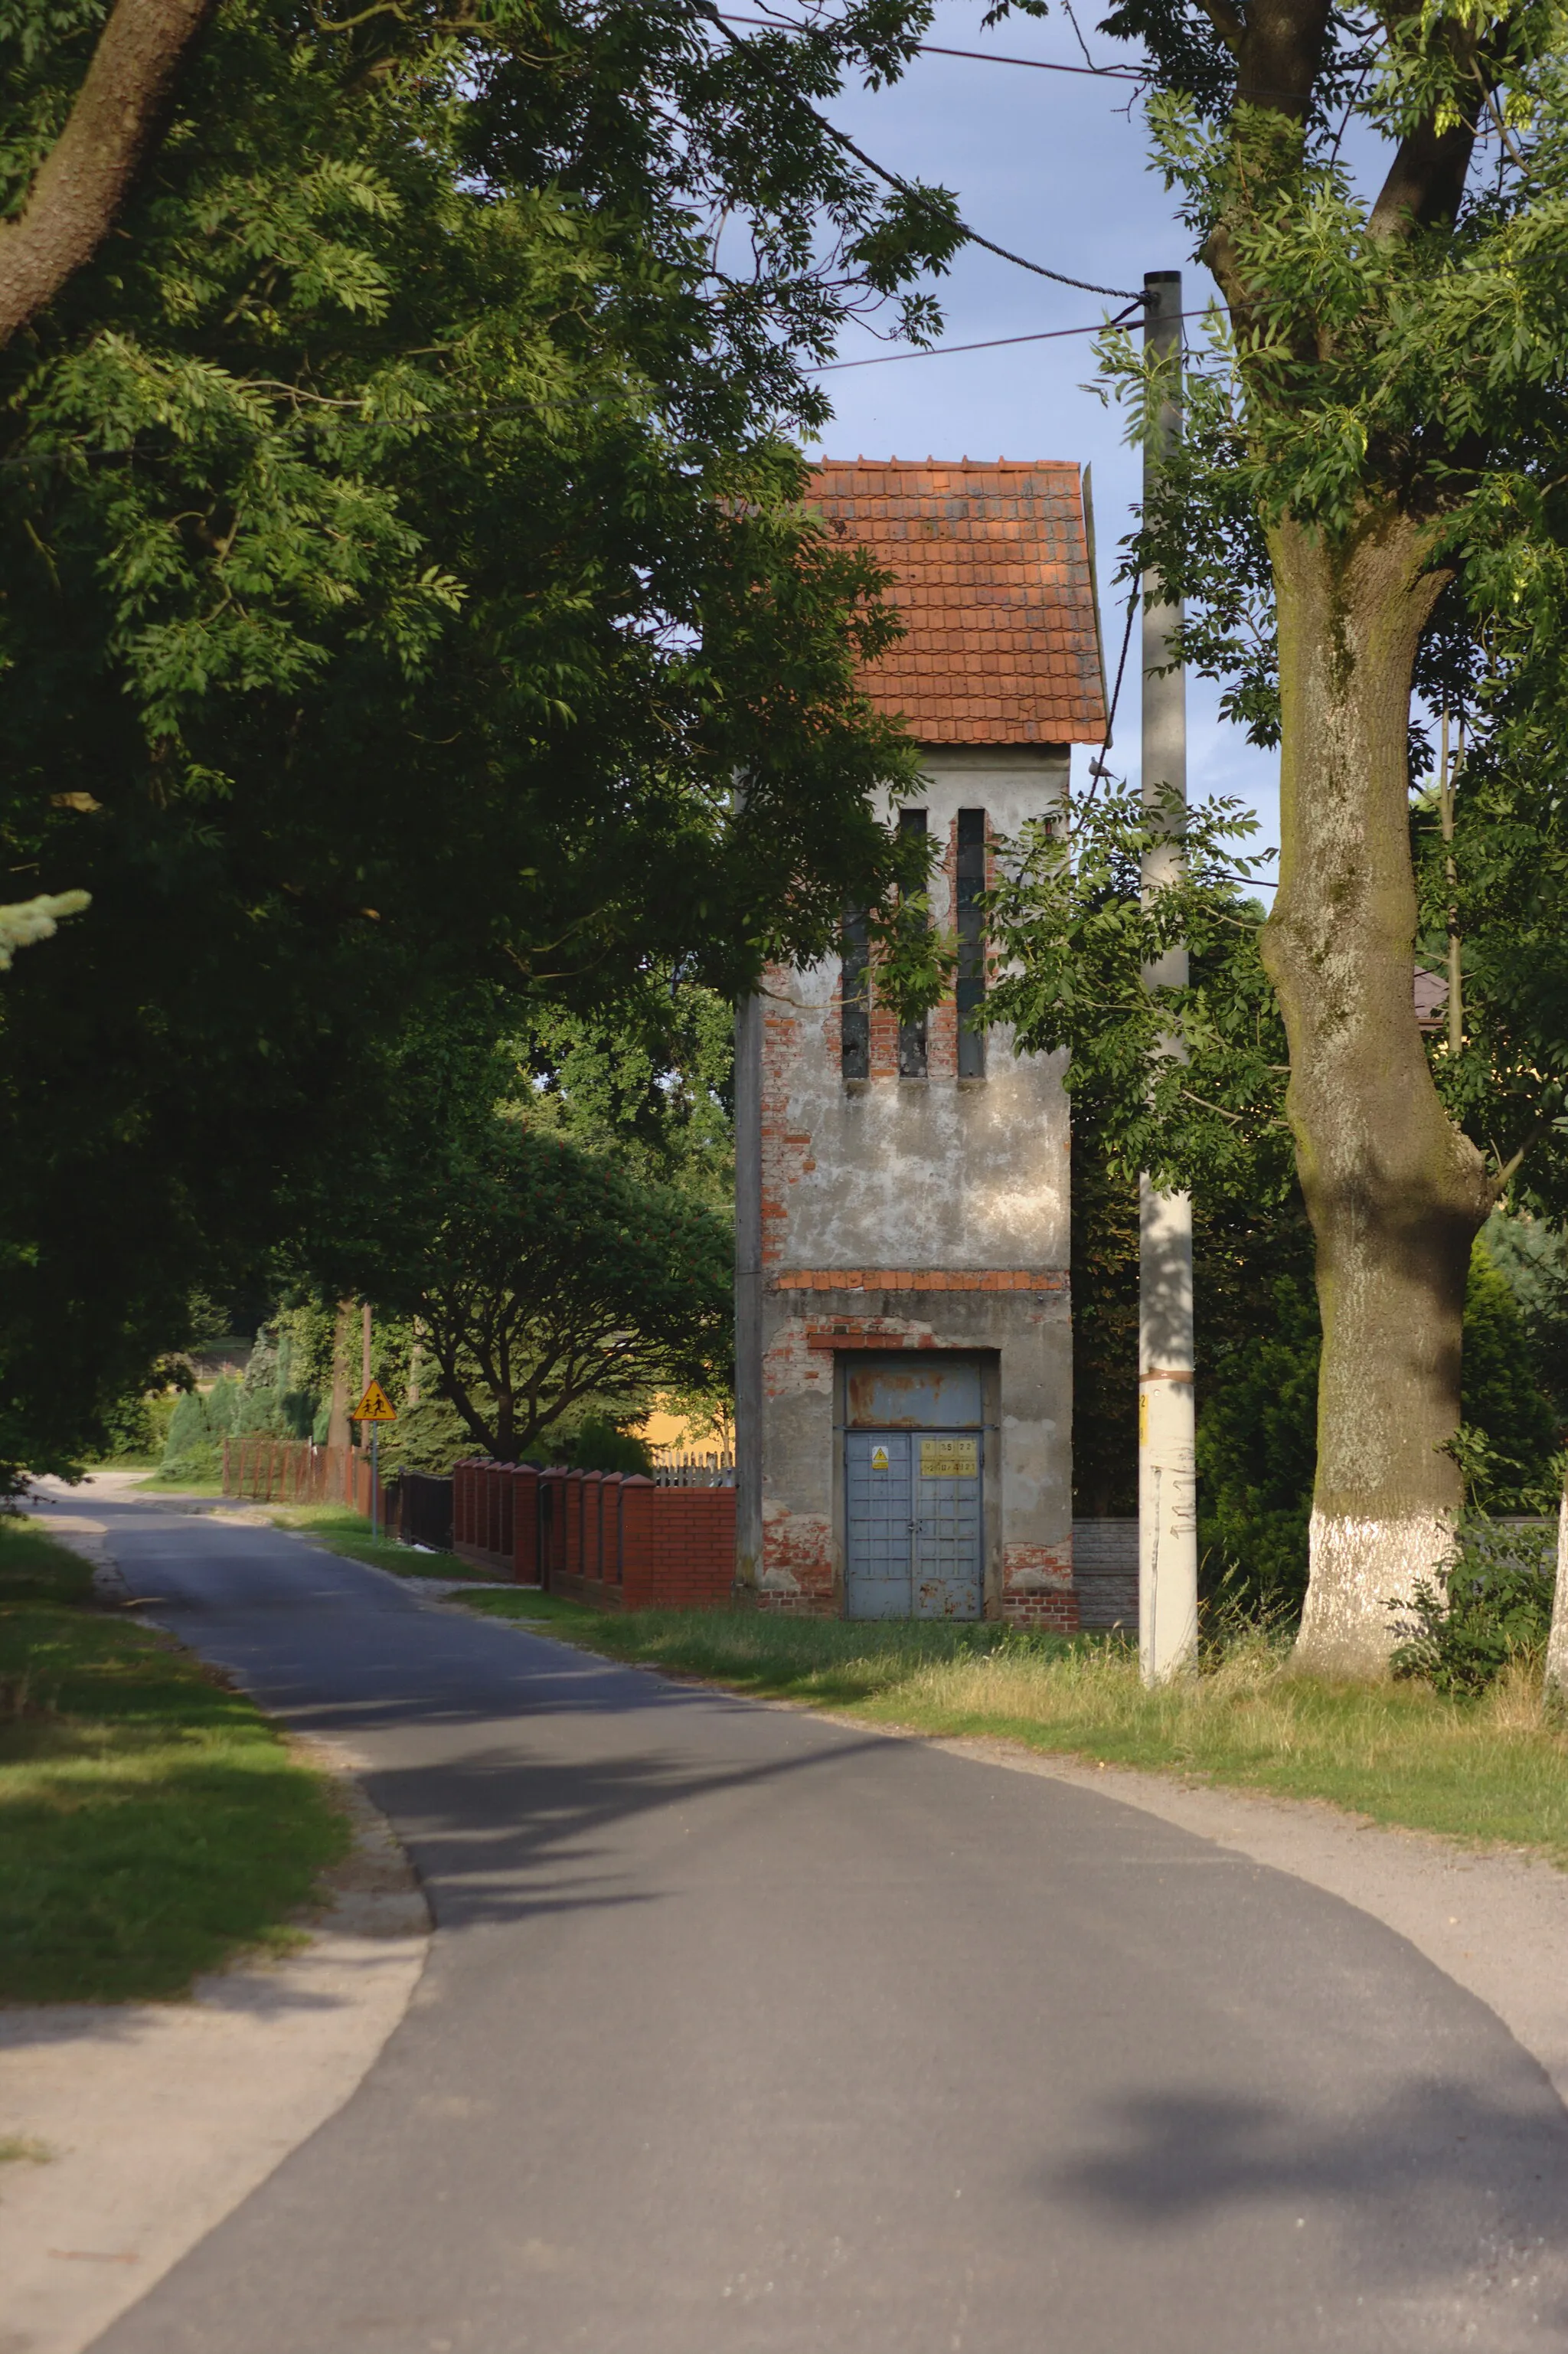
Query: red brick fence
[(622, 1543), (614, 1540)]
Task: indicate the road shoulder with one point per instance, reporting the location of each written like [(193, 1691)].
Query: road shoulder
[(153, 2121)]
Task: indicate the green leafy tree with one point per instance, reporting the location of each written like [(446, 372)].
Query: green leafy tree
[(1369, 500), (555, 1280), (1193, 1080), (402, 557)]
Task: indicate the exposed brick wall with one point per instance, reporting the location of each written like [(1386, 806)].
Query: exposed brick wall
[(797, 1561), (1037, 1586)]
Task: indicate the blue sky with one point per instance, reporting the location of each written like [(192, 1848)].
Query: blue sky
[(1052, 166)]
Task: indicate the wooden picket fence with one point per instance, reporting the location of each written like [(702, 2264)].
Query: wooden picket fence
[(295, 1471)]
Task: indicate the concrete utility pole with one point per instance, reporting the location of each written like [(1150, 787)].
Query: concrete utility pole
[(747, 1297), (1167, 1479)]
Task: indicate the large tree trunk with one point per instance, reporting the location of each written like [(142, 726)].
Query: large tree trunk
[(1395, 1192), (339, 1431)]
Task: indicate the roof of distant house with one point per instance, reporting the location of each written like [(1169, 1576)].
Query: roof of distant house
[(992, 578)]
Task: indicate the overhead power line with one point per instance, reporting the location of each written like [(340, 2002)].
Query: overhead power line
[(992, 342), (981, 57), (892, 180)]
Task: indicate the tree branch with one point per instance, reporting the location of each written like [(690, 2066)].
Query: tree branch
[(1426, 179), (1227, 22), (87, 175)]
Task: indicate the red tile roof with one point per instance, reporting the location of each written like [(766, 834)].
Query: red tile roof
[(992, 579)]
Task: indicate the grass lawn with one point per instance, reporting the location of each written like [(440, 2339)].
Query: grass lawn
[(152, 1821), (1493, 1771)]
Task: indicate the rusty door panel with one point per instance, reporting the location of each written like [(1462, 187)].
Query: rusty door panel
[(930, 1390), (948, 1569)]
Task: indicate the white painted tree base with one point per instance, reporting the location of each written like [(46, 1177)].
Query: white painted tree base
[(1363, 1573)]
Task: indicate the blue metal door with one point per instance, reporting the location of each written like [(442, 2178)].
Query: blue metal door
[(880, 1524), (912, 1523), (913, 1464), (948, 1566)]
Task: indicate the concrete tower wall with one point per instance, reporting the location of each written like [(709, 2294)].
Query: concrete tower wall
[(889, 1212)]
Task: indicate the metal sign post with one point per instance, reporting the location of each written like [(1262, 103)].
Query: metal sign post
[(1166, 1470), (374, 1407)]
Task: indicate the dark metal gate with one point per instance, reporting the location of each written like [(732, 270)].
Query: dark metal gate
[(914, 1466)]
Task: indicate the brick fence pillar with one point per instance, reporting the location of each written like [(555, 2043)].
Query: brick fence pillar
[(593, 1525), (637, 1541), (525, 1525), (552, 1525), (610, 1553)]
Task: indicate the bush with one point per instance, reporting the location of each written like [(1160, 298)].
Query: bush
[(1257, 1437), (138, 1428), (1493, 1607), (1257, 1452), (596, 1444), (430, 1437)]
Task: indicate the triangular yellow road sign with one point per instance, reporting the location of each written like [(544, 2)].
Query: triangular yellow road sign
[(375, 1406)]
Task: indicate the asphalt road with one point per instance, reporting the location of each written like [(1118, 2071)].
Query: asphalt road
[(745, 2031)]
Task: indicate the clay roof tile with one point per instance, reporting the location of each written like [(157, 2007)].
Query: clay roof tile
[(991, 577)]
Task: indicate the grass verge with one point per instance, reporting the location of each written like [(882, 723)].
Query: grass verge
[(152, 1821), (344, 1530), (1492, 1771)]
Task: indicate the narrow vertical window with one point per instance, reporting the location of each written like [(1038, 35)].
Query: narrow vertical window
[(912, 1035), (971, 943), (854, 1000)]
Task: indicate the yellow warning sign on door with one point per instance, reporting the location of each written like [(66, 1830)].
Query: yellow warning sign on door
[(879, 1459), (948, 1459), (375, 1406)]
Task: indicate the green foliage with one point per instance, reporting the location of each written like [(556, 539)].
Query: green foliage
[(1186, 1083), (1257, 1449), (201, 1421), (1493, 1607), (1502, 1394), (137, 1430), (554, 1279), (652, 1085), (1257, 1420), (596, 1444), (1406, 358), (1105, 1249), (430, 1436), (404, 556)]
